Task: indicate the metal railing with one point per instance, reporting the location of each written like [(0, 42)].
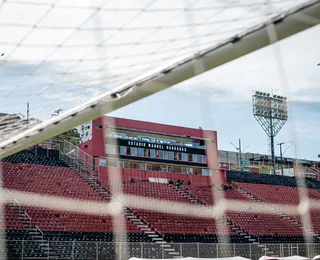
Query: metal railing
[(77, 161), (26, 249), (24, 213)]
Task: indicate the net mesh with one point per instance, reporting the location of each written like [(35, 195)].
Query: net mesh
[(58, 54), (55, 59)]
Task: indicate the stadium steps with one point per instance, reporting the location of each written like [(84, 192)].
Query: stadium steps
[(227, 222), (155, 236), (38, 244), (86, 176), (277, 212), (186, 194)]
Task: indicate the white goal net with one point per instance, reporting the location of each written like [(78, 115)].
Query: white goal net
[(66, 62)]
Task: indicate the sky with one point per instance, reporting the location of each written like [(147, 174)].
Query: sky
[(58, 54), (227, 106)]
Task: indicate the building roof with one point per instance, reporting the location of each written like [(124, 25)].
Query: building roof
[(152, 127), (13, 123)]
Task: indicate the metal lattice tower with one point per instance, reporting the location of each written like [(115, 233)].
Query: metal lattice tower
[(271, 112)]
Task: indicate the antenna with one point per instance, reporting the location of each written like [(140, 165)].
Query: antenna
[(27, 114)]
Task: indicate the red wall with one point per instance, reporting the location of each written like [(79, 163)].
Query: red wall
[(96, 146), (142, 175), (254, 170), (153, 127)]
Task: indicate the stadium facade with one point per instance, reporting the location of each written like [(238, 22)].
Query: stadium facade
[(133, 144), (166, 170), (126, 143)]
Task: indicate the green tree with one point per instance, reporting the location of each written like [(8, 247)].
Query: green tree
[(72, 135)]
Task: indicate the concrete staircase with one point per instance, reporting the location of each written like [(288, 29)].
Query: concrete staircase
[(277, 212), (37, 245), (93, 183), (186, 194), (167, 250), (191, 197)]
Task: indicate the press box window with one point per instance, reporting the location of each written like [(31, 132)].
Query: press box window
[(152, 153), (133, 151), (194, 158), (171, 156), (123, 150), (141, 152), (184, 157), (163, 155), (202, 159)]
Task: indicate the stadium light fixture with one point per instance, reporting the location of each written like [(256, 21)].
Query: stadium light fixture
[(271, 112), (295, 153), (284, 152)]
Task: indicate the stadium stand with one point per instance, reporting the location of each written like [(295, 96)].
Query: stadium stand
[(238, 176), (313, 183), (43, 171), (254, 225), (277, 190), (38, 156)]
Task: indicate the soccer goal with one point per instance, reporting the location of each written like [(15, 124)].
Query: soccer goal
[(64, 65)]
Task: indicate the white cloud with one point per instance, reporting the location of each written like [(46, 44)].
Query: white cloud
[(259, 71), (73, 50)]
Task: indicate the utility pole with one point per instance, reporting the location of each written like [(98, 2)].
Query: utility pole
[(240, 151), (240, 164), (27, 114), (280, 144)]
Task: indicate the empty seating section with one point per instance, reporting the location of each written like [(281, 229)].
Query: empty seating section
[(180, 224), (169, 223), (249, 221), (272, 194), (144, 188), (36, 156), (314, 194), (238, 176), (315, 220), (11, 220), (205, 193), (48, 220), (57, 181), (164, 222), (40, 171), (283, 195), (153, 190), (263, 224), (313, 182)]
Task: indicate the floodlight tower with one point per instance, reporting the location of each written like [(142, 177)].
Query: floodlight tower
[(271, 112)]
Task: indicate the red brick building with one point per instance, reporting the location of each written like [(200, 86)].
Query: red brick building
[(132, 144)]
